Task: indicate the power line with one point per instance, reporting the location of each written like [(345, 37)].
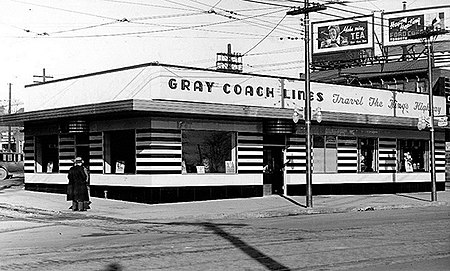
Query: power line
[(115, 21), (165, 30), (265, 3), (83, 28), (265, 36), (147, 5), (66, 10), (233, 13)]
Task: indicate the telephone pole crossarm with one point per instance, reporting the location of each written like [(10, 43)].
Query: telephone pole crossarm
[(313, 8), (43, 77)]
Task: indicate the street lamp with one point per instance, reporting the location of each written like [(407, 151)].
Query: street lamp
[(299, 114), (296, 116)]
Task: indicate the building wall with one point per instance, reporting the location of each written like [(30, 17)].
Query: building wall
[(347, 157), (158, 154)]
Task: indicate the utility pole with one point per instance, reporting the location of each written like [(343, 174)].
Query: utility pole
[(9, 112), (43, 77), (427, 35), (306, 10)]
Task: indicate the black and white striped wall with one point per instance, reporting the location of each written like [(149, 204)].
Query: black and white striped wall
[(250, 153), (158, 151)]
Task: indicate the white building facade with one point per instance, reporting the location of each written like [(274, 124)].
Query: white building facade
[(163, 133)]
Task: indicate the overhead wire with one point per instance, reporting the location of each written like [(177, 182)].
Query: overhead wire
[(265, 36), (18, 27), (133, 20), (234, 13), (265, 3), (63, 9), (165, 30), (147, 5)]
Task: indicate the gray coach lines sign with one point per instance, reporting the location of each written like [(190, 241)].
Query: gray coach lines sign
[(248, 90)]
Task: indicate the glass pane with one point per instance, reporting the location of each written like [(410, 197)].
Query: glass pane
[(47, 155), (412, 155), (367, 155), (119, 152), (331, 154), (318, 154), (207, 151)]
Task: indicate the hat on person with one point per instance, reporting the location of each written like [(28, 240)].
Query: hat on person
[(78, 160)]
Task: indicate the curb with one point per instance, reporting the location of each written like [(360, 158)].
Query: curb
[(314, 211)]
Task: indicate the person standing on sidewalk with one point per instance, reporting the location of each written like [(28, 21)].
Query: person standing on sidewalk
[(77, 189)]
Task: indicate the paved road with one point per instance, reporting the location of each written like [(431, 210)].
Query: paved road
[(405, 239)]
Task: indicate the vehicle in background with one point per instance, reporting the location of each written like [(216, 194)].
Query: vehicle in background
[(11, 164)]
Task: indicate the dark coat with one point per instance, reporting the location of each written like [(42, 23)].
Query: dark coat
[(77, 187)]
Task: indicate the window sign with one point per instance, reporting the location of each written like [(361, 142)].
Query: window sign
[(120, 167), (200, 169), (229, 165)]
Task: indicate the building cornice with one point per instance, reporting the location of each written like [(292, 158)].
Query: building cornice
[(163, 107)]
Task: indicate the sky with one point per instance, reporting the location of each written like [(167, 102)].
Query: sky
[(73, 37)]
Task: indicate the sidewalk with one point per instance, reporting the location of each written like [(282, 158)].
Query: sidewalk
[(16, 198)]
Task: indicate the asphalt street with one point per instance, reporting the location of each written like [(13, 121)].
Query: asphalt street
[(367, 232), (390, 239)]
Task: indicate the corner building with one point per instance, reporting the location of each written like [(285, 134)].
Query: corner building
[(162, 133)]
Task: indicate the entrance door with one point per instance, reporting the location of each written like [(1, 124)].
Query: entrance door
[(273, 169)]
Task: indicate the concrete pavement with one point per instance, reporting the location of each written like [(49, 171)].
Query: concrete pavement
[(28, 202)]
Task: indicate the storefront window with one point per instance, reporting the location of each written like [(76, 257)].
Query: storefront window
[(367, 154), (120, 152), (47, 159), (208, 152), (82, 147), (324, 154), (412, 155)]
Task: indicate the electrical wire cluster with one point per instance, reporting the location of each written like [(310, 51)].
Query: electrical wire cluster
[(254, 20)]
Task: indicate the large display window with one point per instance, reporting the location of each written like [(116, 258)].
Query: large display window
[(413, 155), (325, 154), (367, 159), (120, 152), (206, 152), (47, 158)]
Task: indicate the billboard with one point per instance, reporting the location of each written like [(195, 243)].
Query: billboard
[(342, 35), (399, 27)]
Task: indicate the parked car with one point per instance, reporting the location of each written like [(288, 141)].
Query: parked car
[(11, 163)]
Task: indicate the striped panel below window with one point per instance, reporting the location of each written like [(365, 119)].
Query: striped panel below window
[(250, 153), (96, 152), (387, 151), (28, 149), (439, 155), (296, 154), (347, 155), (158, 151), (66, 152)]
